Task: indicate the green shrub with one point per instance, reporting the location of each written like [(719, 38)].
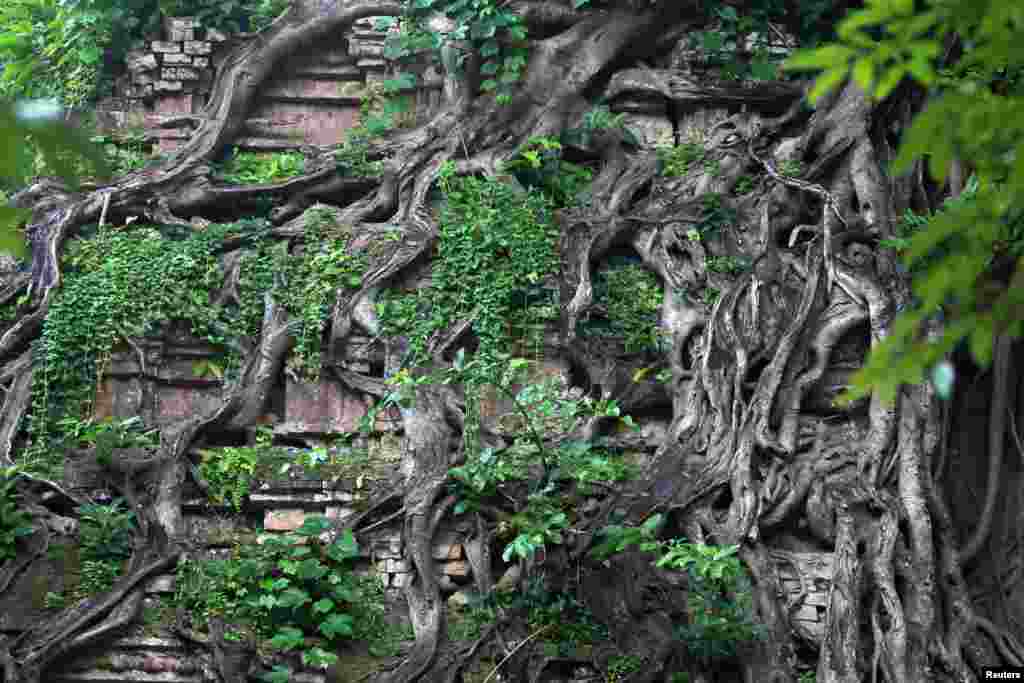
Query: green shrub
[(14, 523), (292, 592)]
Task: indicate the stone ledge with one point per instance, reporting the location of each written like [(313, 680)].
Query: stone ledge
[(99, 676)]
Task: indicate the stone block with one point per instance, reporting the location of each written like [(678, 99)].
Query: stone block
[(366, 48), (394, 566), (447, 546), (323, 408), (198, 47), (180, 23), (181, 35), (458, 568), (164, 47), (177, 59), (201, 62), (288, 519), (179, 73), (387, 548), (371, 63), (167, 86), (138, 61), (339, 513), (174, 105)]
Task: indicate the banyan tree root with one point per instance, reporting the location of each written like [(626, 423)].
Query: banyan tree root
[(743, 458)]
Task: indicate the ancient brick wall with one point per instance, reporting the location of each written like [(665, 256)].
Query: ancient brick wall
[(315, 99)]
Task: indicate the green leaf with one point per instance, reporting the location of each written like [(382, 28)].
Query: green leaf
[(314, 525), (827, 82), (323, 606), (337, 625), (827, 57)]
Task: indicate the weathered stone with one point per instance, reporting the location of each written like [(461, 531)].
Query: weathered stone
[(179, 73), (167, 86), (181, 35), (447, 546), (394, 566), (458, 568), (283, 520), (138, 61), (305, 500), (198, 47), (368, 63), (177, 59), (365, 48), (164, 46), (339, 513)]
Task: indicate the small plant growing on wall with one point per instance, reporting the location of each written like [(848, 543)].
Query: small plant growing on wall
[(14, 522)]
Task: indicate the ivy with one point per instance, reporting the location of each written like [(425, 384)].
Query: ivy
[(495, 240), (107, 298), (292, 592), (629, 298), (261, 167), (309, 283), (15, 523)]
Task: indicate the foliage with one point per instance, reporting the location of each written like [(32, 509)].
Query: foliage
[(105, 531), (744, 185), (632, 297), (125, 153), (493, 241), (294, 592), (227, 15), (261, 167), (616, 539), (620, 667), (229, 473), (729, 265), (488, 28), (538, 163), (14, 522), (311, 280), (97, 576), (106, 298), (28, 129), (720, 598), (679, 159), (975, 116), (106, 435)]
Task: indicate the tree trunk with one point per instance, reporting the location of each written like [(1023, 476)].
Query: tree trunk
[(747, 459)]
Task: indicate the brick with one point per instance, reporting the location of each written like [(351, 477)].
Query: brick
[(447, 547), (283, 520), (164, 47), (179, 73), (367, 63), (181, 35), (180, 23), (458, 568), (198, 47), (177, 59), (139, 60), (167, 86)]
